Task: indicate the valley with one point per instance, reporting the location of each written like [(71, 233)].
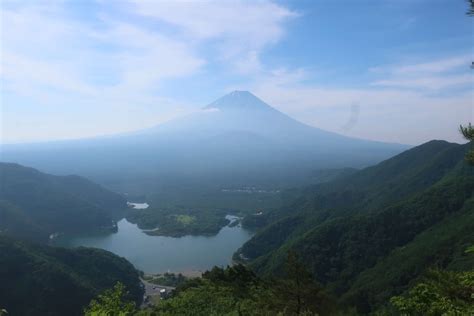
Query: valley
[(240, 231), (236, 158), (408, 215)]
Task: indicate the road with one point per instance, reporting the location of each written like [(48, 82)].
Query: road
[(153, 290)]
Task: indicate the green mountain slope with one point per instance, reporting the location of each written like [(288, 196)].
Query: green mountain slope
[(361, 192), (35, 204), (43, 280), (442, 246), (389, 181), (345, 228)]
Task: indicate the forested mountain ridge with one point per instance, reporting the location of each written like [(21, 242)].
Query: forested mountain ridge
[(43, 280), (441, 246), (373, 187), (34, 204), (391, 180), (364, 191), (344, 229)]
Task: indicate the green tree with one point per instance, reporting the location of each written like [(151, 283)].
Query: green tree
[(440, 293), (468, 133), (238, 277), (111, 303), (208, 299), (298, 292)]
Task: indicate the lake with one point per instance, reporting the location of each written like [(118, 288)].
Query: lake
[(158, 254)]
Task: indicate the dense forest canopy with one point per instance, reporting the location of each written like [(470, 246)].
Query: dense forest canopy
[(368, 241), (44, 280), (405, 215), (34, 205)]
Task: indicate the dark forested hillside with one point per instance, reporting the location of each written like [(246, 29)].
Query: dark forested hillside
[(43, 280), (404, 215), (34, 204)]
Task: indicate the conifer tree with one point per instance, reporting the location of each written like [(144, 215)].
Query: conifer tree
[(468, 133), (299, 293), (112, 302)]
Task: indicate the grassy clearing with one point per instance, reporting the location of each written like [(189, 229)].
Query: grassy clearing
[(185, 219)]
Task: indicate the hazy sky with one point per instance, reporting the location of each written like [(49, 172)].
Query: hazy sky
[(386, 70)]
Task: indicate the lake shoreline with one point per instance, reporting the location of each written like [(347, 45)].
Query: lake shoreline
[(188, 255), (186, 273)]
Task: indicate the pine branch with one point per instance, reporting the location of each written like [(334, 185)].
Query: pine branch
[(467, 132)]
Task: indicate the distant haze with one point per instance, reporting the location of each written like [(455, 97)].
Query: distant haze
[(391, 71), (237, 139)]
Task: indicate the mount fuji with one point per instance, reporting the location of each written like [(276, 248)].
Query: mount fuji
[(237, 136)]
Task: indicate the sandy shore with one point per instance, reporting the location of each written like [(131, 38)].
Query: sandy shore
[(187, 273)]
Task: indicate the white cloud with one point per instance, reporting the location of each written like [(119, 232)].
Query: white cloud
[(63, 54), (240, 30), (386, 115), (432, 82), (430, 67), (254, 24), (437, 66), (55, 69), (114, 62), (146, 57), (24, 74), (393, 113), (432, 75), (81, 73)]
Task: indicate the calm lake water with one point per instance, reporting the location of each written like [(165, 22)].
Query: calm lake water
[(157, 254)]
